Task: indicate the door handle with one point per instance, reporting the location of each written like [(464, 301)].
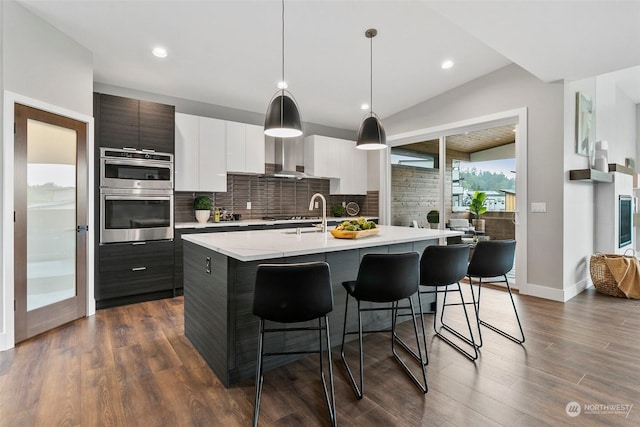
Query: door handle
[(138, 268), (81, 228)]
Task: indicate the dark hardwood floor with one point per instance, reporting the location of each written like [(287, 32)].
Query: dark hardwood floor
[(133, 366)]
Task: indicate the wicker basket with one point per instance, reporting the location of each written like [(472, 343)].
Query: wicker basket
[(601, 277)]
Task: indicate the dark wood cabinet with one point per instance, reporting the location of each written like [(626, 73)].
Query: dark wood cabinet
[(157, 127), (131, 123), (130, 272)]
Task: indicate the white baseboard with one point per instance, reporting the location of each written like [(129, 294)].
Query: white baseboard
[(577, 288), (544, 292), (562, 295), (3, 342)]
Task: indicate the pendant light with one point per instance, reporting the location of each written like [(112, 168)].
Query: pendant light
[(282, 119), (371, 135)]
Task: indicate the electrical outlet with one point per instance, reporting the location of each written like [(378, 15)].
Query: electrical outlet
[(344, 204), (248, 205), (317, 205)]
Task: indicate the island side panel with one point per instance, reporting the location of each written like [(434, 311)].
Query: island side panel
[(205, 306), (243, 324)]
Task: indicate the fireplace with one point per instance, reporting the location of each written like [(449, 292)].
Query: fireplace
[(625, 226)]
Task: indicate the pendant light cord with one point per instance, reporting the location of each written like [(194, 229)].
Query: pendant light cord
[(371, 75), (283, 80)]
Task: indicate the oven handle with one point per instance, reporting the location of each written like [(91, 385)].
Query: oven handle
[(140, 197), (137, 162)]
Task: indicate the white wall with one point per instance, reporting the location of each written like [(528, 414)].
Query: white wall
[(615, 119), (506, 89), (578, 212), (3, 303), (616, 123), (39, 63)]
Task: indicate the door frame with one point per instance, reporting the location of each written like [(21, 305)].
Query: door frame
[(516, 117), (7, 332)]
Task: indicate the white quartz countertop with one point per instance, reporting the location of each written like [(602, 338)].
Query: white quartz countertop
[(266, 244), (248, 222)]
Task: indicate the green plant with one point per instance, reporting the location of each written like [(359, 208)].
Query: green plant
[(338, 210), (433, 217), (477, 204), (202, 203)]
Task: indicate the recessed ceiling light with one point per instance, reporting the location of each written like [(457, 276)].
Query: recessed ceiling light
[(282, 85), (160, 52), (364, 106), (446, 64)]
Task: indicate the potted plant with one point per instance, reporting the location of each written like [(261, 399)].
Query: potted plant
[(433, 218), (338, 210), (477, 207), (202, 205)]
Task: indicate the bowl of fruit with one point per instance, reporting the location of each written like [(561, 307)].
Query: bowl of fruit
[(355, 229)]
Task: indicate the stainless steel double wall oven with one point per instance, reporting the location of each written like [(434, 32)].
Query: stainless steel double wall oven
[(136, 195)]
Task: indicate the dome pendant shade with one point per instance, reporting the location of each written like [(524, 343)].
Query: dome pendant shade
[(282, 119), (371, 135)]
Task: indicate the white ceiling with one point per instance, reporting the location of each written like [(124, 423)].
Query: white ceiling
[(228, 52)]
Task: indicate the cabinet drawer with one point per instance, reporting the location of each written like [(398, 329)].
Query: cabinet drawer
[(116, 284), (124, 257)]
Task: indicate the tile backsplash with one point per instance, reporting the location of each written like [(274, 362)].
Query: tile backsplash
[(270, 197)]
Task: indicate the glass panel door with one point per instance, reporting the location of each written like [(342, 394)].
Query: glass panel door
[(51, 213), (50, 203)]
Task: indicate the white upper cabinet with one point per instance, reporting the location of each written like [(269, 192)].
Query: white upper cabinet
[(353, 170), (200, 162), (338, 159), (321, 156), (245, 148)]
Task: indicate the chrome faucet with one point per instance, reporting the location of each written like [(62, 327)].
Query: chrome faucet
[(324, 209)]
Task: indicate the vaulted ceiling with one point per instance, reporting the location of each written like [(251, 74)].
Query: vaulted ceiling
[(229, 53)]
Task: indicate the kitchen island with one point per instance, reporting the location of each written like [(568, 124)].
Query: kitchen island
[(219, 276)]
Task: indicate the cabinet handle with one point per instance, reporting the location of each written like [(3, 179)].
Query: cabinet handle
[(129, 148), (138, 268), (148, 150), (138, 243)]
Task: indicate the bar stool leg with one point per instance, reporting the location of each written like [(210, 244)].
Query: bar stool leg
[(469, 340), (331, 401), (358, 391), (424, 388), (476, 307), (259, 376), (500, 331)]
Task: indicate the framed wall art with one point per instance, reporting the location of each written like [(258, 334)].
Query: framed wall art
[(585, 129)]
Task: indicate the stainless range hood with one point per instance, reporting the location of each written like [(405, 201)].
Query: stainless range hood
[(285, 159)]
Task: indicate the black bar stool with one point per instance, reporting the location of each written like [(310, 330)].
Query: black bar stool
[(294, 293), (384, 278), (443, 266), (492, 259)]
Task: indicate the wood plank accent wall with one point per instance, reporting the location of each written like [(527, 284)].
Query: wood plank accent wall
[(271, 196), (414, 192)]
